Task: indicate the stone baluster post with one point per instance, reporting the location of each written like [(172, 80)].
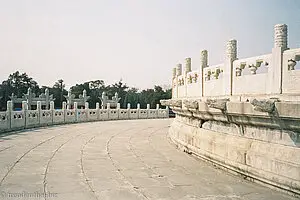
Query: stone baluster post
[(188, 68), (29, 98), (75, 108), (51, 105), (69, 99), (203, 64), (118, 109), (108, 109), (39, 110), (174, 83), (24, 111), (231, 55), (138, 107), (98, 110), (177, 81), (52, 110), (280, 36), (128, 110), (178, 69), (86, 109), (167, 112), (157, 110), (86, 105), (24, 106), (231, 50), (47, 98), (275, 71), (64, 107), (174, 72), (148, 110), (9, 109), (188, 65)]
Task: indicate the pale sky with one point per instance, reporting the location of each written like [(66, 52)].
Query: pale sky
[(139, 41)]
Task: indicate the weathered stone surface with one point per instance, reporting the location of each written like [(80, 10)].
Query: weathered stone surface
[(263, 105), (217, 103), (176, 103), (191, 104), (242, 134), (165, 102), (115, 160), (247, 154)]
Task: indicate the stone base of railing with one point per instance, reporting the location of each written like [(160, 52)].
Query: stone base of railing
[(259, 154)]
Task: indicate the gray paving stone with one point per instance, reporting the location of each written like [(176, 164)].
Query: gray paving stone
[(114, 160)]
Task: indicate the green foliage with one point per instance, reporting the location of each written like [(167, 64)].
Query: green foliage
[(18, 83)]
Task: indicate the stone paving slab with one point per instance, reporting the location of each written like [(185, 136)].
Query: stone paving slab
[(113, 160)]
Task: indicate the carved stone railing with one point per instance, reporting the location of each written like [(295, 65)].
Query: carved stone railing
[(277, 72), (243, 114), (14, 120)]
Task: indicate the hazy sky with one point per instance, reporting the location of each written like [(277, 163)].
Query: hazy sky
[(139, 41)]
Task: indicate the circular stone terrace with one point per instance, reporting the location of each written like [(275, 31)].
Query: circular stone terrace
[(112, 160)]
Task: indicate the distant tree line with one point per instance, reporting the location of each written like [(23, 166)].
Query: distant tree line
[(18, 83)]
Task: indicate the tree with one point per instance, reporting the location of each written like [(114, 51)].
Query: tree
[(132, 97), (58, 91), (121, 89), (17, 83), (93, 88)]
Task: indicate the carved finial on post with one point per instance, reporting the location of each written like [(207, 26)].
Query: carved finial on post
[(148, 106), (118, 105), (204, 59), (128, 106), (174, 72), (179, 69), (70, 92), (188, 65), (138, 106), (231, 50), (69, 99), (97, 105), (29, 91), (280, 36)]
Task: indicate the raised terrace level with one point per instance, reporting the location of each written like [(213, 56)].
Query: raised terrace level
[(11, 120), (243, 114)]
